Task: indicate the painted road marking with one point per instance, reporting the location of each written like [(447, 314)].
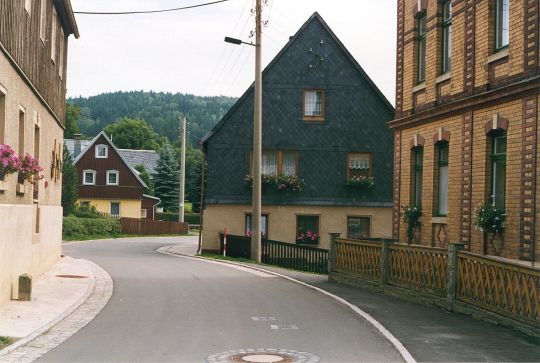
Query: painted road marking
[(263, 318), (283, 327)]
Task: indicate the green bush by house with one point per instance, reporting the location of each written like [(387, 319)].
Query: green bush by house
[(74, 227)]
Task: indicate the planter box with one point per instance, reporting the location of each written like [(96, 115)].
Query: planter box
[(22, 188), (4, 185)]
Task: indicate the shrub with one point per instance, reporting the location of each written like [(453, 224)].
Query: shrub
[(489, 219), (86, 211), (411, 217), (189, 218), (80, 227)]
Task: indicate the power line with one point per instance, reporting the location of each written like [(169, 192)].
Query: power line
[(150, 11)]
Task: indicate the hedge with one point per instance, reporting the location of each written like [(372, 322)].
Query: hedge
[(74, 227), (189, 218)]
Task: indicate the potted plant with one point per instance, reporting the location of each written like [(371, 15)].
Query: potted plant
[(490, 220), (9, 164), (411, 217), (365, 183), (29, 171), (307, 237)]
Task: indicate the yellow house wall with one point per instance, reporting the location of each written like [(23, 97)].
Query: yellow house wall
[(22, 250), (128, 208), (282, 221)]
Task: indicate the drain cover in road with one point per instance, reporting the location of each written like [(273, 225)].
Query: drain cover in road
[(263, 356)]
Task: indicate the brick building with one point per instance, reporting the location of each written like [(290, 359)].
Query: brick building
[(466, 124)]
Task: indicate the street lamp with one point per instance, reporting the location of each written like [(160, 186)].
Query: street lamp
[(257, 137)]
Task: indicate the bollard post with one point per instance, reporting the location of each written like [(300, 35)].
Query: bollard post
[(332, 252), (385, 261), (452, 278), (25, 287), (225, 242)]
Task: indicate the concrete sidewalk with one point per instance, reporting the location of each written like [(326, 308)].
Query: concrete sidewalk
[(64, 299), (428, 333)]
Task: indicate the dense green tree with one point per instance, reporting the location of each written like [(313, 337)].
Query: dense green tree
[(143, 174), (73, 113), (166, 182), (129, 133), (160, 110), (193, 173), (69, 183)]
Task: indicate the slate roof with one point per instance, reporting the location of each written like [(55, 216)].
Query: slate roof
[(148, 158)]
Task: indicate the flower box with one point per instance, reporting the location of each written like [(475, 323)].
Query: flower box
[(366, 183), (22, 188)]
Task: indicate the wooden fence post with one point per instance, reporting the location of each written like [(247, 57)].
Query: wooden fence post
[(332, 252), (385, 262), (453, 249)]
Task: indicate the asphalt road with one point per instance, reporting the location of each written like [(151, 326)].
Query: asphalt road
[(167, 308)]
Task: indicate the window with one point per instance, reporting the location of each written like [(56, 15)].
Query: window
[(498, 169), (502, 23), (85, 203), (61, 54), (417, 174), (28, 6), (442, 178), (358, 165), (275, 162), (307, 229), (421, 49), (42, 19), (314, 105), (115, 208), (102, 151), (144, 213), (112, 177), (22, 122), (264, 225), (89, 177), (53, 36), (446, 41), (2, 116), (358, 227)]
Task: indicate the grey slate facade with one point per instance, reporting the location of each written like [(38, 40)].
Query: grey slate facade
[(355, 119)]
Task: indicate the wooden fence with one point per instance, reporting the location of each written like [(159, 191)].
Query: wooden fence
[(283, 254), (148, 226), (451, 277), (502, 287)]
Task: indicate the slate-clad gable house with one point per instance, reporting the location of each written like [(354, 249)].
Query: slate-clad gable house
[(108, 182), (323, 122), (33, 59)]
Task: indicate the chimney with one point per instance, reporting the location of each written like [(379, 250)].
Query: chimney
[(77, 146)]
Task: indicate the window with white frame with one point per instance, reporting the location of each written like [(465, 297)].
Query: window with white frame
[(314, 105), (102, 151), (42, 19), (53, 36), (112, 177), (89, 177)]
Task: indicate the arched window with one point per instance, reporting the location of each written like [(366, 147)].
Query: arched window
[(417, 158), (421, 48), (446, 37), (442, 178), (498, 168)]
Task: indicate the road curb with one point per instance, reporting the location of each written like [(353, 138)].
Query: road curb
[(407, 357), (31, 340)]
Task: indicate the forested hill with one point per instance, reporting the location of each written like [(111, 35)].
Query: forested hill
[(158, 109)]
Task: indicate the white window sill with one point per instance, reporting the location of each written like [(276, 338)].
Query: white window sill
[(439, 220), (4, 186), (443, 77), (499, 55), (419, 87)]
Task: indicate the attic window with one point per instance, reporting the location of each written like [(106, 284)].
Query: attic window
[(89, 177), (358, 164), (112, 177), (102, 151), (313, 105)]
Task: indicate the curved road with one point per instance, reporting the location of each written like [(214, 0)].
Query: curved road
[(167, 308)]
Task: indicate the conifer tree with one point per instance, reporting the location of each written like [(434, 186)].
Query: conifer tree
[(143, 174), (69, 183), (166, 183)]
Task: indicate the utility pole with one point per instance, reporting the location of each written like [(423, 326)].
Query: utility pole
[(257, 141), (182, 169)]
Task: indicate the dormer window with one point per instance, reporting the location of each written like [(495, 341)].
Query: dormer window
[(89, 177), (102, 151), (314, 105), (112, 177)]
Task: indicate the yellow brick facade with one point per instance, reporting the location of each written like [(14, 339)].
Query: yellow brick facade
[(484, 88)]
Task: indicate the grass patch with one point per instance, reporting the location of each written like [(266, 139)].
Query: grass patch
[(5, 341), (121, 235), (227, 258)]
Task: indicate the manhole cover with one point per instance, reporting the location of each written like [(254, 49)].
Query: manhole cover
[(72, 276), (262, 356)]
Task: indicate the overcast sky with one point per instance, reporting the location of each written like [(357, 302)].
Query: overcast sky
[(184, 51)]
